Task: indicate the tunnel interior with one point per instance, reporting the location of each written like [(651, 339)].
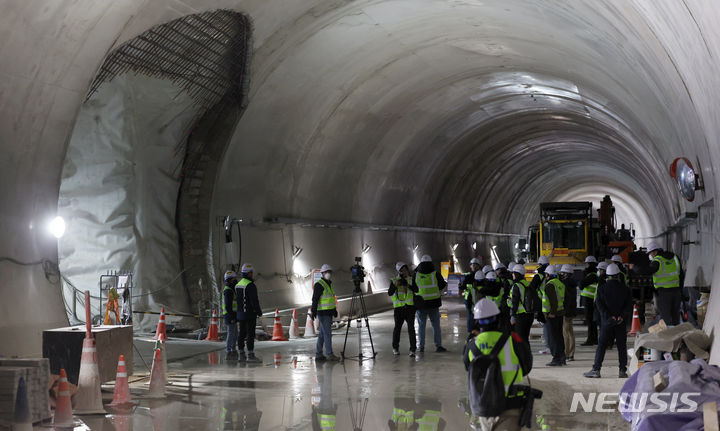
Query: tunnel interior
[(406, 126)]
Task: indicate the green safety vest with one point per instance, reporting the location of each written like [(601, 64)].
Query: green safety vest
[(522, 285), (559, 293), (590, 291), (668, 274), (403, 418), (241, 285), (509, 362), (498, 299), (430, 421), (427, 286), (468, 288), (327, 422), (234, 303), (401, 299), (327, 300)]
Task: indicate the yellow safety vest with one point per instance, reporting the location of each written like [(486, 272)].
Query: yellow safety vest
[(234, 303), (241, 285), (327, 422), (668, 274), (590, 291), (522, 285), (509, 362), (403, 418), (430, 421), (559, 293), (327, 300), (401, 299), (427, 285)]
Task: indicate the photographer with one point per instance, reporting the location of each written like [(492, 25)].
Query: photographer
[(429, 283), (402, 293)]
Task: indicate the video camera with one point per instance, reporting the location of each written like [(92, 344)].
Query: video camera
[(358, 273)]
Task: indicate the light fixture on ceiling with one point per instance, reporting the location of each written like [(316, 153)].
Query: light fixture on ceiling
[(366, 248), (688, 180), (296, 251), (57, 227)]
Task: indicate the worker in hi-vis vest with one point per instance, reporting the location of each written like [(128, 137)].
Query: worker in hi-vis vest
[(468, 293), (429, 283), (521, 316), (229, 307), (402, 292), (553, 307), (495, 405), (323, 308), (667, 277), (588, 289), (248, 312)]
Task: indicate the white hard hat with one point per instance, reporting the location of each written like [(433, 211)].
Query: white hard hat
[(602, 265), (612, 269), (491, 275), (229, 275), (653, 246), (519, 268), (475, 260), (550, 270), (399, 265), (511, 265), (479, 276), (567, 269), (543, 260), (616, 258), (426, 258), (486, 269), (325, 268), (500, 265), (590, 259), (247, 267), (485, 309)]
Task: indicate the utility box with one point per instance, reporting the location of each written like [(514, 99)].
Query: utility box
[(63, 347)]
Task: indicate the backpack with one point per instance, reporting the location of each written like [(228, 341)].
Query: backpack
[(485, 381)]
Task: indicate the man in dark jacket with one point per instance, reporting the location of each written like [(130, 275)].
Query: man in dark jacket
[(248, 312), (613, 301), (323, 307), (667, 274), (588, 289), (403, 297), (429, 283), (466, 290), (521, 316), (566, 273), (553, 308), (229, 309)]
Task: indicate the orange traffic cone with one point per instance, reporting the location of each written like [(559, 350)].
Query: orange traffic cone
[(636, 326), (160, 333), (63, 407), (121, 396), (278, 333), (294, 329), (276, 358), (157, 377), (88, 399), (213, 331), (161, 345), (309, 325)]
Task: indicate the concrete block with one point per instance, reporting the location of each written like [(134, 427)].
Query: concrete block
[(37, 379), (63, 347)]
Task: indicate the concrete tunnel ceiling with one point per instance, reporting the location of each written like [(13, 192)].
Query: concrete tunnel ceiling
[(461, 114)]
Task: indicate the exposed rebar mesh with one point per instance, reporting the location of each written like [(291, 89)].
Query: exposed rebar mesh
[(206, 54)]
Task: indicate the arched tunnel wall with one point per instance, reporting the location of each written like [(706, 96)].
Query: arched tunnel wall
[(450, 115)]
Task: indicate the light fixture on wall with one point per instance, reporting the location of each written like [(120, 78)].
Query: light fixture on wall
[(57, 227), (454, 247), (688, 180), (366, 248), (296, 251), (474, 245)]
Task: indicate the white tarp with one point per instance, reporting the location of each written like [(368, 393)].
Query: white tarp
[(119, 191)]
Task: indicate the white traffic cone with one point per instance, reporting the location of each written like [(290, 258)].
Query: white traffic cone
[(157, 376), (309, 325), (88, 400), (294, 329)]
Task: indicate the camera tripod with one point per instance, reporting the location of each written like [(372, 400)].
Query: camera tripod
[(357, 304)]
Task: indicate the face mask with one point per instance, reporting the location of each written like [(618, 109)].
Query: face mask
[(327, 276)]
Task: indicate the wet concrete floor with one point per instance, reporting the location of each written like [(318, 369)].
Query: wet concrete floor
[(290, 391)]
